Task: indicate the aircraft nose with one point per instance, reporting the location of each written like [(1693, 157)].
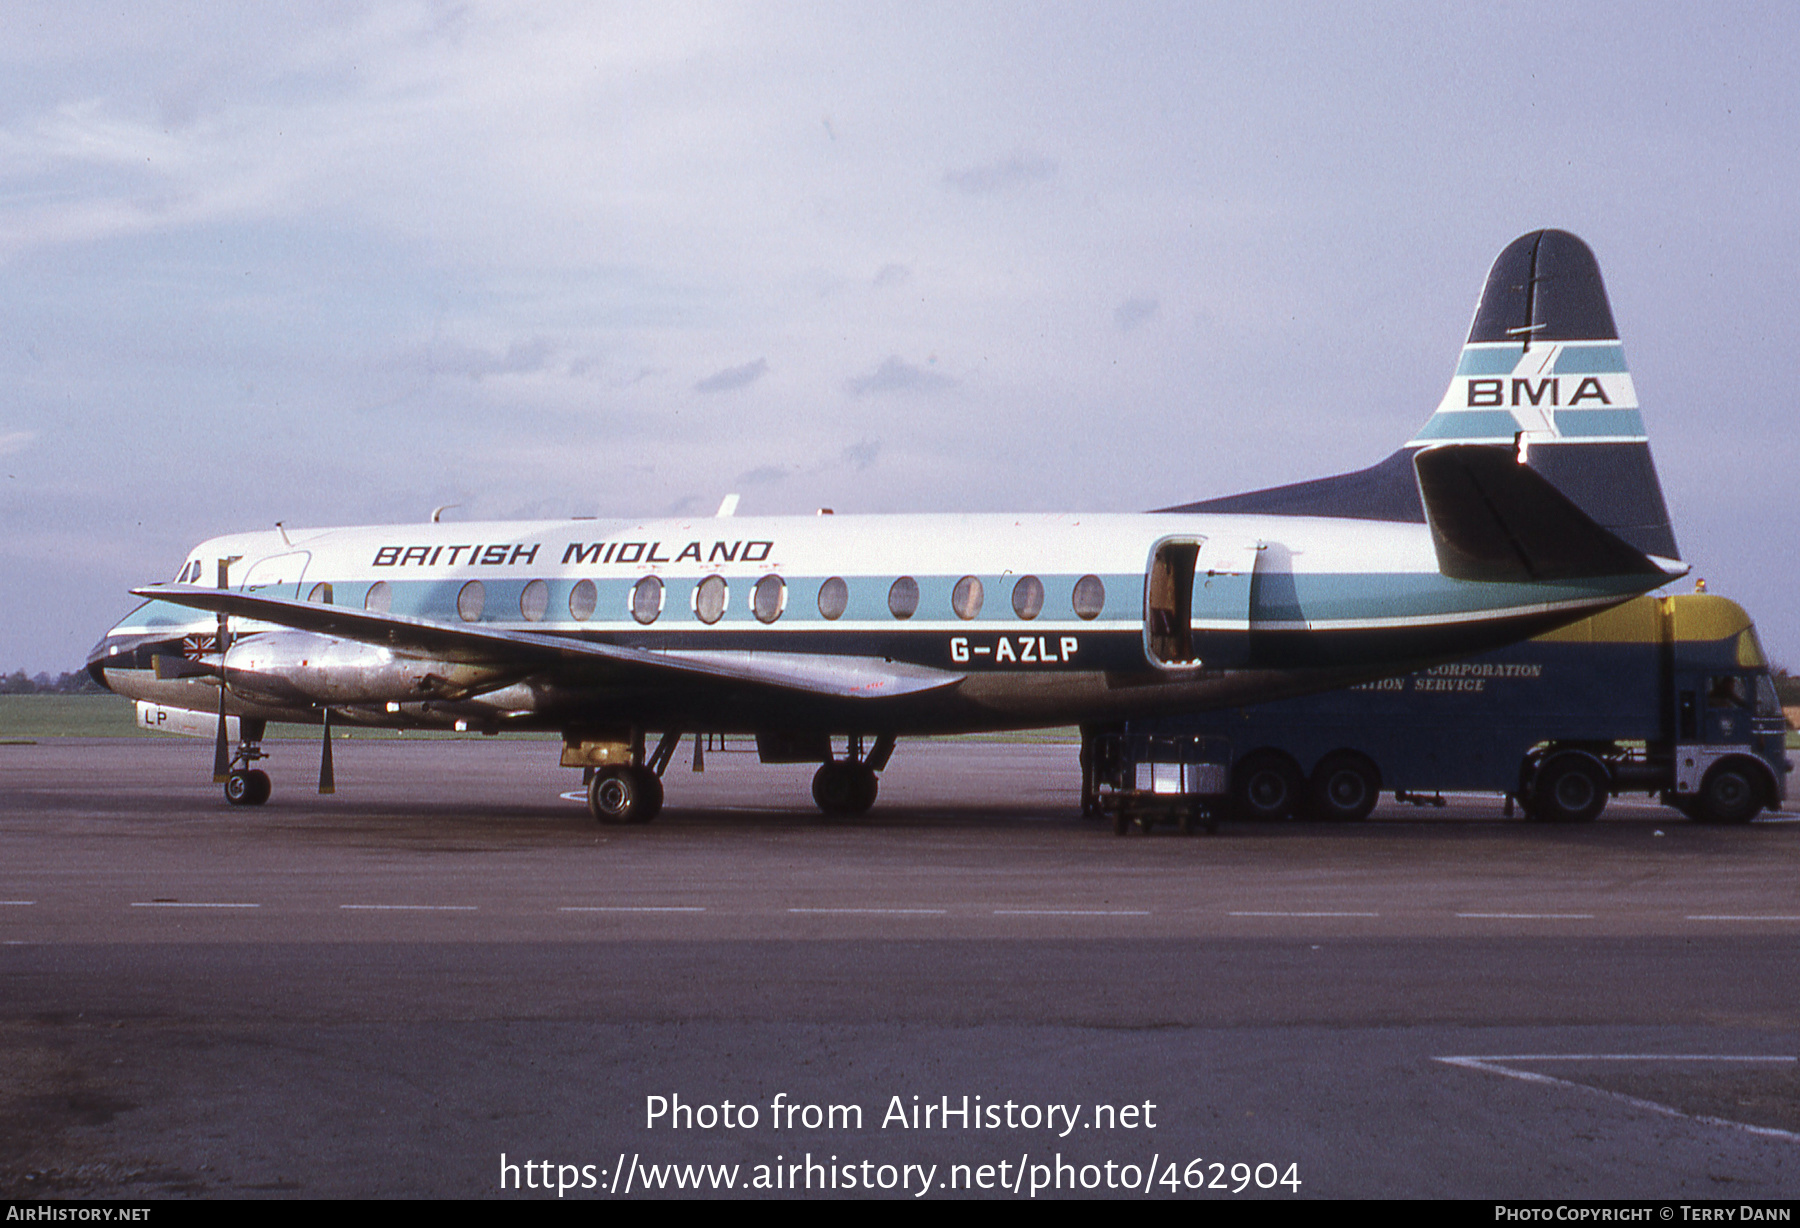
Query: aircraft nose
[(97, 658)]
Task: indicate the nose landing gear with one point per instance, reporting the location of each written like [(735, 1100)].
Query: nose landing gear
[(245, 784)]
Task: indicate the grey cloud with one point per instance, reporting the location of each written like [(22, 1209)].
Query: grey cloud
[(1006, 175), (898, 375), (519, 358), (733, 378), (892, 275), (1134, 311), (763, 475), (862, 454)]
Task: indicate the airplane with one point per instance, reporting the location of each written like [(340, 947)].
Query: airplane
[(1527, 500)]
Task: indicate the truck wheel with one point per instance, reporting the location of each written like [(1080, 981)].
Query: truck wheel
[(1266, 786), (1345, 787), (1570, 789), (1729, 795)]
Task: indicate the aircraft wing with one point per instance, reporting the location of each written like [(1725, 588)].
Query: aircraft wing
[(836, 676)]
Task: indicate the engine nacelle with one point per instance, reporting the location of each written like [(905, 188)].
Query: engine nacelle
[(304, 667)]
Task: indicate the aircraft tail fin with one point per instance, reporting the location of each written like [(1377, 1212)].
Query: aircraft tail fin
[(1542, 373)]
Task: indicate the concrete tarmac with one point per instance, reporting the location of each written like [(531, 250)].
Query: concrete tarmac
[(446, 976)]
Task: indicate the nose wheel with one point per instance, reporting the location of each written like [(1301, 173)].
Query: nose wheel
[(245, 783)]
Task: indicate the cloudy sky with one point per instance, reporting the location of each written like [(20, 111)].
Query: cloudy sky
[(347, 263)]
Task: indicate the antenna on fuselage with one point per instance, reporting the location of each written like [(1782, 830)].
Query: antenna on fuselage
[(437, 513), (727, 507)]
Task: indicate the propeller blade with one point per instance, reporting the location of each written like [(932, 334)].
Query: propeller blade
[(222, 744)]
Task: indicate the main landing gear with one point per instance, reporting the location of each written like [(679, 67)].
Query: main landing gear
[(624, 792), (848, 786)]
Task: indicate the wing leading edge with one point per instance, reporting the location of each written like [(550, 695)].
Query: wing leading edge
[(835, 676)]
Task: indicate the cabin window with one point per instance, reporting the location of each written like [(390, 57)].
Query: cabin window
[(768, 599), (647, 599), (582, 601), (1090, 597), (903, 597), (471, 599), (966, 597), (1028, 597), (534, 601), (834, 597), (380, 598), (709, 599), (321, 593)]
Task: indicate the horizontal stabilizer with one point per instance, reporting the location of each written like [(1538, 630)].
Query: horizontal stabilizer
[(836, 676), (1494, 519)]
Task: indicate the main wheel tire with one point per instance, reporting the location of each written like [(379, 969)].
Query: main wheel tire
[(1266, 786), (260, 788), (844, 788), (239, 789), (1345, 787), (1570, 789), (624, 795), (650, 800), (1730, 794)]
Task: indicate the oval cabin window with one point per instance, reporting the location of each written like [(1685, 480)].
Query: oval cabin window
[(768, 599), (834, 597), (534, 601), (646, 599), (582, 601), (1028, 597), (966, 597), (470, 601), (1089, 598), (903, 597), (709, 599)]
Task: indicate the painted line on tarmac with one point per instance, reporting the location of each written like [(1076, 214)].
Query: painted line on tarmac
[(1303, 914), (628, 908), (1492, 1065), (875, 911), (1744, 917), (409, 907), (187, 904), (1071, 912), (17, 903), (1527, 916)]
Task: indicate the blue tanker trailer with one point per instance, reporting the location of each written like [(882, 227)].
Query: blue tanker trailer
[(1669, 696)]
